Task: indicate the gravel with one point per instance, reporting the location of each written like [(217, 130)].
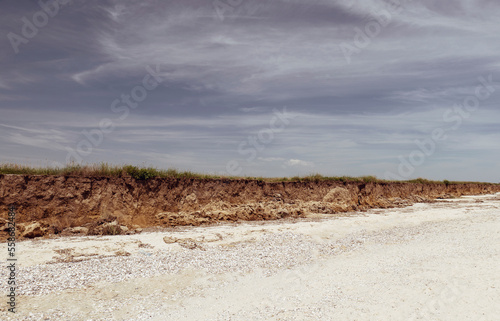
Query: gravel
[(270, 265)]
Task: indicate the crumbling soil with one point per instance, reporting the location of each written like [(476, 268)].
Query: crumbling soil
[(116, 205)]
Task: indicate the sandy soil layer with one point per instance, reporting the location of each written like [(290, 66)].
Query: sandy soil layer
[(71, 205), (437, 261)]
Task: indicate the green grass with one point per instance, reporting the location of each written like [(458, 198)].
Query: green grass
[(102, 170), (145, 173)]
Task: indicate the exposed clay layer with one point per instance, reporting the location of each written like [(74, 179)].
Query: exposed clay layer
[(110, 204)]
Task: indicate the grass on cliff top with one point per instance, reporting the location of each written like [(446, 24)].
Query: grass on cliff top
[(144, 173), (103, 169)]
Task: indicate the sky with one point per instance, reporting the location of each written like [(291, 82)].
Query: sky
[(396, 89)]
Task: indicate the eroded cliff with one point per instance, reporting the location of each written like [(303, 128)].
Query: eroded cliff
[(114, 205)]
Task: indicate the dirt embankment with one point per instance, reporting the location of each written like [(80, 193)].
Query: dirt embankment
[(116, 205)]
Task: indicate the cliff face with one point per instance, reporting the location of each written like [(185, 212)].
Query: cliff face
[(58, 203)]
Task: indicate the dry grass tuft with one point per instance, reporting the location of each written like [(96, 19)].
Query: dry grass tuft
[(145, 173)]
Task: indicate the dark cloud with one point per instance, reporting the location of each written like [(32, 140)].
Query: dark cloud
[(226, 72)]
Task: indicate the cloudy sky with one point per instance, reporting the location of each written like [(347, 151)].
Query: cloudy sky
[(396, 89)]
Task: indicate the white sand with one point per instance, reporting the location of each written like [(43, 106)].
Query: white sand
[(426, 262)]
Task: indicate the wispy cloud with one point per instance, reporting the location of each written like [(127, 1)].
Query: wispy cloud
[(223, 79), (298, 162)]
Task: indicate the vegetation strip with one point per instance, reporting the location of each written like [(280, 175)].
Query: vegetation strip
[(144, 173)]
